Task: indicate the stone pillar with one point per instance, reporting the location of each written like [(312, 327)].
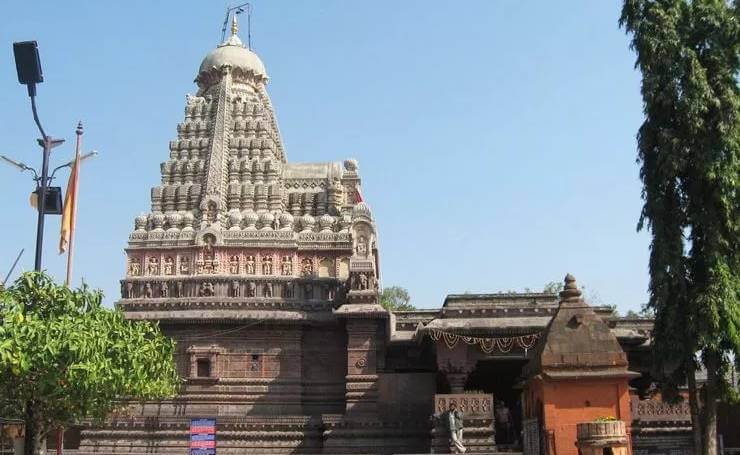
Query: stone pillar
[(362, 378), (454, 364), (457, 381)]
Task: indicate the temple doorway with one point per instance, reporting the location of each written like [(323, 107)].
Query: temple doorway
[(501, 377)]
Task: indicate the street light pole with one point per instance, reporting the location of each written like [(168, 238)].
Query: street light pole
[(45, 142)]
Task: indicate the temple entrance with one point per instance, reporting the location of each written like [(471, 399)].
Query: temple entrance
[(500, 377)]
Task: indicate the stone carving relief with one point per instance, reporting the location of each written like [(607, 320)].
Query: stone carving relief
[(288, 290), (307, 267), (152, 267), (147, 291), (251, 289), (178, 288), (286, 268), (184, 266), (169, 266), (308, 291), (209, 264), (211, 213), (234, 265), (134, 267), (267, 290), (267, 265), (129, 290), (362, 281), (362, 247), (235, 291), (251, 268), (164, 289), (207, 289)]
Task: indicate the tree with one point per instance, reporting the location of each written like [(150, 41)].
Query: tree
[(553, 287), (64, 357), (396, 298), (688, 52)]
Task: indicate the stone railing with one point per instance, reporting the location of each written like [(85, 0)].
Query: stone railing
[(472, 405), (658, 411)]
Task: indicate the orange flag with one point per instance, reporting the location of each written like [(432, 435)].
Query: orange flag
[(69, 213)]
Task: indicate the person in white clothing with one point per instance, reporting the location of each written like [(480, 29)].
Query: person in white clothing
[(455, 424)]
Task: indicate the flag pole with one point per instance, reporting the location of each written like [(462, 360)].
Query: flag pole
[(73, 200)]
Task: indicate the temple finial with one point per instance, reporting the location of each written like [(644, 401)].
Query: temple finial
[(234, 25), (570, 290)]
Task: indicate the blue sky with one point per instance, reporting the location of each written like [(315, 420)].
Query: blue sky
[(496, 138)]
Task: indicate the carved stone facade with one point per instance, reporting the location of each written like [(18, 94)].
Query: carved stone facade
[(266, 274)]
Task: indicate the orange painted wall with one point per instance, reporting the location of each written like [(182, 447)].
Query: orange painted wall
[(567, 403)]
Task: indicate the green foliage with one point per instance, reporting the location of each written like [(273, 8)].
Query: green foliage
[(606, 419), (70, 358), (688, 52), (689, 149), (396, 298)]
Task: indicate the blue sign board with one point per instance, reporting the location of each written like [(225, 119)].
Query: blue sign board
[(203, 437)]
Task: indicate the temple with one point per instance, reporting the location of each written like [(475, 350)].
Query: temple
[(266, 274)]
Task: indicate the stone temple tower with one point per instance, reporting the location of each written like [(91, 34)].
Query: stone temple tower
[(265, 273)]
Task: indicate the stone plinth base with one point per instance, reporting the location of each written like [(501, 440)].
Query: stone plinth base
[(278, 435), (330, 434), (353, 436)]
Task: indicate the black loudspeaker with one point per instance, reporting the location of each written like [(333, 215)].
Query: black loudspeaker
[(27, 62), (53, 200)]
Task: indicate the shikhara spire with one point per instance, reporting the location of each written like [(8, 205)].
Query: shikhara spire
[(227, 168), (230, 203)]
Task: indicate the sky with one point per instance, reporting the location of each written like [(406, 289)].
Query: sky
[(495, 138)]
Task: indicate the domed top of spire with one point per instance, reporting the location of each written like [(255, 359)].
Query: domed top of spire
[(233, 53)]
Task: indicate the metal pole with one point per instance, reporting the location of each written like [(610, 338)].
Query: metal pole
[(45, 142)]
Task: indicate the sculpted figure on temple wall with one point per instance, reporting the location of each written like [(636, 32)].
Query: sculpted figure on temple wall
[(134, 267), (207, 290), (211, 212), (164, 289), (169, 266), (208, 252), (362, 246), (360, 282), (250, 265), (152, 267), (179, 289), (287, 266), (184, 266), (267, 266), (308, 291), (147, 291), (307, 267), (251, 289), (129, 290), (234, 265), (267, 290), (288, 290), (235, 291)]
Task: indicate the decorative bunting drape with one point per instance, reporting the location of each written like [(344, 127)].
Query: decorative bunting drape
[(487, 345)]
